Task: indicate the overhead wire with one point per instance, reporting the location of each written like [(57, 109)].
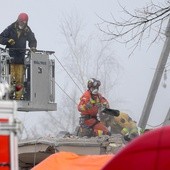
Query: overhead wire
[(65, 93), (155, 126), (70, 77), (161, 124), (68, 73)]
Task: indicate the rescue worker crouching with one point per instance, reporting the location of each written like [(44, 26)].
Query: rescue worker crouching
[(90, 105), (122, 124), (128, 127)]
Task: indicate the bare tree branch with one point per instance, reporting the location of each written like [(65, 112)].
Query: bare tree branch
[(139, 25)]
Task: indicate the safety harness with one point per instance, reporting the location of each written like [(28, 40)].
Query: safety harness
[(88, 129)]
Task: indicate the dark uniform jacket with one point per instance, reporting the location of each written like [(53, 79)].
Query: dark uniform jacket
[(17, 51)]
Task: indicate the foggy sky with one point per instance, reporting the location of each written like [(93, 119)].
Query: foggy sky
[(44, 17)]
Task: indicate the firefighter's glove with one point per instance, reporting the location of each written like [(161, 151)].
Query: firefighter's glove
[(11, 41), (33, 49), (127, 138), (133, 135), (89, 105), (130, 136)]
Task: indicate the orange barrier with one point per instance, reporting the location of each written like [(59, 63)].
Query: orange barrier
[(72, 161)]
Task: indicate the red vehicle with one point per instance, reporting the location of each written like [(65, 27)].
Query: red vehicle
[(8, 136)]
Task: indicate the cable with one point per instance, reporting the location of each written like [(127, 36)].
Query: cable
[(71, 79), (65, 93), (68, 73), (156, 125)]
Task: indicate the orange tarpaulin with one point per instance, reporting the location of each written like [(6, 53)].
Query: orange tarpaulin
[(72, 161)]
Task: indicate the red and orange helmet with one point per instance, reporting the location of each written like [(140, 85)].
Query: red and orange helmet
[(22, 20), (22, 17)]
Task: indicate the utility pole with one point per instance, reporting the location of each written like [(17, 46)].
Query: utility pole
[(156, 80)]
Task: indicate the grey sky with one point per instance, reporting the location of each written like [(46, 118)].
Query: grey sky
[(138, 70)]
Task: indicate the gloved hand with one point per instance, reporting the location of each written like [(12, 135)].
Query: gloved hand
[(133, 135), (89, 105), (33, 49), (127, 138), (11, 41)]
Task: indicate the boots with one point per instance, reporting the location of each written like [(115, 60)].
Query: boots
[(17, 81)]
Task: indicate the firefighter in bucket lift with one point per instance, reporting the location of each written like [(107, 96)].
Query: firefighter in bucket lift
[(15, 37), (91, 103)]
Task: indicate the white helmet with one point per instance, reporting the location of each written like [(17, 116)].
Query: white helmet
[(93, 85)]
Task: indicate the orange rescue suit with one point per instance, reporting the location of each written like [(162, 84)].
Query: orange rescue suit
[(89, 106)]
